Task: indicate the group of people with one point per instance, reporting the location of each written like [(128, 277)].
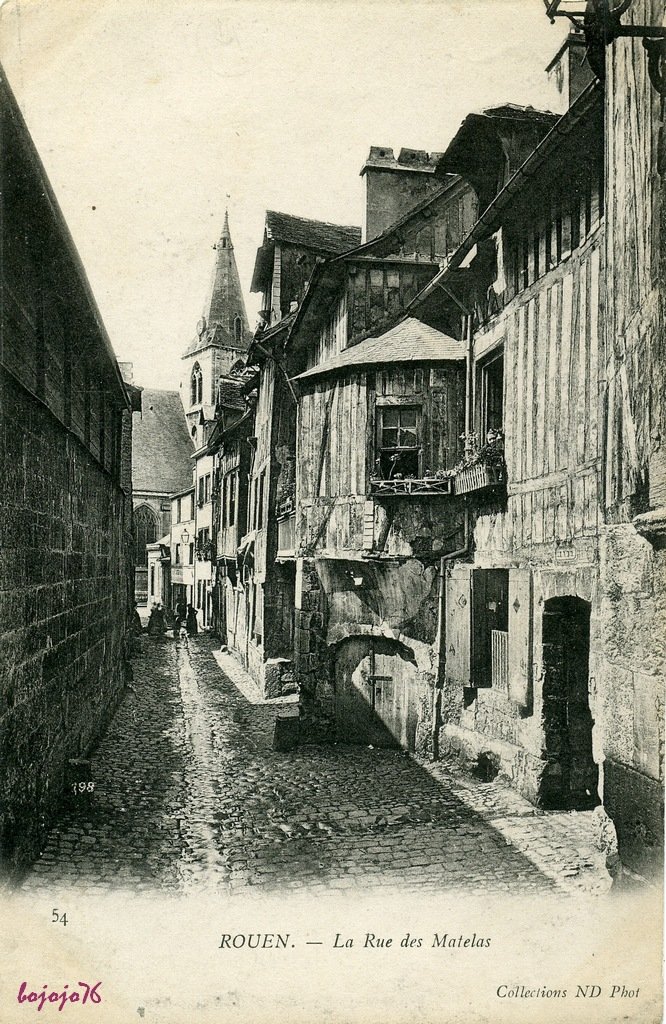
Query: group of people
[(159, 621)]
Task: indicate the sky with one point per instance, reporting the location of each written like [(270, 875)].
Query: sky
[(153, 116)]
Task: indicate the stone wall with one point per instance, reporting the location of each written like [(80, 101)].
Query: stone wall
[(64, 587), (629, 674), (312, 661)]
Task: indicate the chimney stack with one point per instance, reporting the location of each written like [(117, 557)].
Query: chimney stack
[(393, 186), (569, 69)]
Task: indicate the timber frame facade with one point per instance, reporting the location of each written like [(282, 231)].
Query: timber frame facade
[(454, 521)]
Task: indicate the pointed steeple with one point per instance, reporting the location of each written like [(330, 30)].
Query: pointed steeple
[(225, 302), (224, 323)]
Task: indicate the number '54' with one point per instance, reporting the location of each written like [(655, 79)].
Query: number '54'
[(58, 918)]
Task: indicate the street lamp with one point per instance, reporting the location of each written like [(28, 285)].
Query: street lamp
[(185, 538)]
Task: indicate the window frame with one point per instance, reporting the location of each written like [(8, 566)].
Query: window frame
[(483, 368), (382, 408)]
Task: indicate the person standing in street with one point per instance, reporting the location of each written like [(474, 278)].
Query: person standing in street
[(191, 623)]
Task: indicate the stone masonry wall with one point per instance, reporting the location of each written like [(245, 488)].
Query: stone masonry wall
[(629, 673), (63, 611), (312, 660)]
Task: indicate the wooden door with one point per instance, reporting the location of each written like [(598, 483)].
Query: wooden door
[(378, 693)]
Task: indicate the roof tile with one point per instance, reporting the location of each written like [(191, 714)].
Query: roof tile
[(161, 445), (409, 341), (312, 234)]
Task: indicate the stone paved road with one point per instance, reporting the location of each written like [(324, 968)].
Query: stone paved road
[(189, 792)]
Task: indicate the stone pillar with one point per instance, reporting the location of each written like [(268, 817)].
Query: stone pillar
[(313, 660)]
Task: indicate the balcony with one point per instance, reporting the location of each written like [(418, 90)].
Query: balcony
[(400, 487), (482, 466), (477, 478), (286, 506)]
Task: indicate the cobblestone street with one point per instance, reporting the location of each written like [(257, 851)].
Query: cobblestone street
[(189, 792)]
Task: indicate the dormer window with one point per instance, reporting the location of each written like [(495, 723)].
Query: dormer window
[(196, 385)]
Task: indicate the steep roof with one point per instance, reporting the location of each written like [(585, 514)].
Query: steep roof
[(312, 234), (161, 444), (224, 303), (215, 336), (230, 393), (317, 236), (408, 341), (580, 119), (491, 145)]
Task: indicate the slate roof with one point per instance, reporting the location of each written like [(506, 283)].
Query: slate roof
[(161, 444), (523, 126), (311, 234), (215, 335), (230, 393), (409, 341), (225, 302), (514, 111)]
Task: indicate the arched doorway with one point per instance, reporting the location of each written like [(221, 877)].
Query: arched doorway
[(378, 692), (571, 776), (144, 525)]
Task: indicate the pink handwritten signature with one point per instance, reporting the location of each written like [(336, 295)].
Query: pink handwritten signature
[(89, 993)]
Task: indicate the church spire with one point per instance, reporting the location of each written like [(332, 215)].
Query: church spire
[(225, 307)]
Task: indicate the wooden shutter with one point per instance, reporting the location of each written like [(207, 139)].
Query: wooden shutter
[(458, 624), (520, 636)]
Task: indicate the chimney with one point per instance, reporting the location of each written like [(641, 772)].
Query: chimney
[(569, 69), (395, 186)]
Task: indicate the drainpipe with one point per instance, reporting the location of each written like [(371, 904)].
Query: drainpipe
[(441, 620)]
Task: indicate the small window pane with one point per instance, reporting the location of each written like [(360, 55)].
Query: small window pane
[(408, 437)]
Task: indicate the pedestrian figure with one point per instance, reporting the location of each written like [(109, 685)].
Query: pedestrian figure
[(181, 609), (191, 622), (136, 621), (156, 623)]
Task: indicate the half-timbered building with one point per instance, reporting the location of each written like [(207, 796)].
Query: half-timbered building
[(520, 612), (552, 668), (380, 413), (220, 344), (255, 504)]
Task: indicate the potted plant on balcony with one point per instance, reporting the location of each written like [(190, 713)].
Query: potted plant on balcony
[(394, 482), (482, 465)]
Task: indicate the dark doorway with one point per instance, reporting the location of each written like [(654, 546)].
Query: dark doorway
[(378, 692), (571, 776)]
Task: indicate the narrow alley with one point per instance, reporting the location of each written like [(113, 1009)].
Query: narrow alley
[(189, 793)]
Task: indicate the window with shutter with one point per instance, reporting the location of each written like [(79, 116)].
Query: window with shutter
[(458, 624), (520, 637)]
